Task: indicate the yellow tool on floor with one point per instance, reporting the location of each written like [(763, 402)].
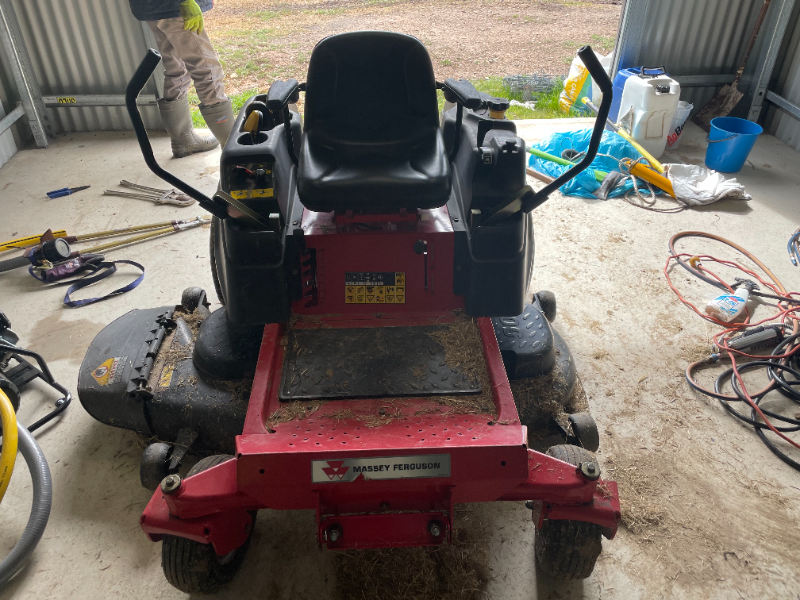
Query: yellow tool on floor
[(627, 137), (8, 455), (35, 240), (32, 240), (643, 172)]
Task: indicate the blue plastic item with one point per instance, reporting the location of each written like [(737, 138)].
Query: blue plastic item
[(729, 143), (585, 184), (619, 86)]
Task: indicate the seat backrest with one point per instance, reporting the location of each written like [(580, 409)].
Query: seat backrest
[(370, 88)]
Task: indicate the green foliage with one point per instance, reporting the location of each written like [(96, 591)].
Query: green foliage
[(237, 101)]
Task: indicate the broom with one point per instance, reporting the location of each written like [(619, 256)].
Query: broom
[(728, 97)]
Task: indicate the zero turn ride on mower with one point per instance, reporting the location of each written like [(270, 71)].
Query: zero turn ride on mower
[(373, 265)]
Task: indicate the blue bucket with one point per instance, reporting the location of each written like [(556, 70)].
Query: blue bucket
[(730, 142)]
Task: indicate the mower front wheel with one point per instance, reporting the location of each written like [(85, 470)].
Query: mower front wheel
[(154, 465), (568, 549), (193, 567)]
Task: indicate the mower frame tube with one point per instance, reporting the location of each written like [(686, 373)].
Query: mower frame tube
[(40, 510)]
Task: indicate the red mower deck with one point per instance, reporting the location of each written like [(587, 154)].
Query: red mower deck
[(388, 485)]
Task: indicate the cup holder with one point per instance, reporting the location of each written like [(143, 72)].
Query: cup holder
[(247, 139)]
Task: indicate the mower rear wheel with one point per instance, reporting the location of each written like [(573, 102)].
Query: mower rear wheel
[(195, 568), (212, 259), (568, 549)]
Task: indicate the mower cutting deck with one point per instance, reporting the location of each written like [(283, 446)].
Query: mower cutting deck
[(367, 261)]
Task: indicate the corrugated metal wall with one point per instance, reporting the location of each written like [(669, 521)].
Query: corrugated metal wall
[(696, 37), (84, 47), (786, 83)]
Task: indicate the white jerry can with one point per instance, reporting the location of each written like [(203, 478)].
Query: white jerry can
[(647, 108)]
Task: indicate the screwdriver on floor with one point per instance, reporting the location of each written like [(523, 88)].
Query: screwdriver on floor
[(66, 191)]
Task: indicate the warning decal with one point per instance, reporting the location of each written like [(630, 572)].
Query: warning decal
[(166, 377), (375, 288), (110, 371), (390, 467)]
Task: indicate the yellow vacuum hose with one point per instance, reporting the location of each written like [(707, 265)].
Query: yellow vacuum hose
[(8, 455)]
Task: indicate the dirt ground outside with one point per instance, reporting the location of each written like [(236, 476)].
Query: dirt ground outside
[(262, 40)]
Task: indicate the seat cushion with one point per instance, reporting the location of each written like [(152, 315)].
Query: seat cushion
[(372, 139)]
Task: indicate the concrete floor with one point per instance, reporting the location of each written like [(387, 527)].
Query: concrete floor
[(725, 509)]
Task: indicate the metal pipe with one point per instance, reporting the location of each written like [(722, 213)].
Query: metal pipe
[(11, 118), (27, 87), (784, 104), (95, 100)]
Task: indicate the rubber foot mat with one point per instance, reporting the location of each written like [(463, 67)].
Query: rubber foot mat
[(369, 362)]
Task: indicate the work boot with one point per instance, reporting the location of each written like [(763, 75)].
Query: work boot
[(219, 118), (177, 119)]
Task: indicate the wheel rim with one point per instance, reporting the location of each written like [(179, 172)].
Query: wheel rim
[(225, 559)]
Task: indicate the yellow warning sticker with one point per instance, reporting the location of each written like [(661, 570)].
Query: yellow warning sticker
[(110, 371), (375, 288), (263, 193), (166, 377), (239, 194)]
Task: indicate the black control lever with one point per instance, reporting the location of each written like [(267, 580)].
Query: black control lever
[(216, 206), (529, 200)]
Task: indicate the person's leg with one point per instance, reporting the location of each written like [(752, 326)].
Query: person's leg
[(174, 107), (176, 77), (202, 64)]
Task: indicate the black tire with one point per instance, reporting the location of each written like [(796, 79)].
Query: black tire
[(154, 465), (568, 549), (195, 568), (213, 260), (208, 462)]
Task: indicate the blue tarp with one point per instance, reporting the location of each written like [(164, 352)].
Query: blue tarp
[(584, 184)]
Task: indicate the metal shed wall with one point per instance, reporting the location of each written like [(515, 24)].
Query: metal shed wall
[(690, 38), (82, 47), (786, 83)]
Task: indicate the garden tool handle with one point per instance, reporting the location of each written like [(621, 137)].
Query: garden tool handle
[(14, 263)]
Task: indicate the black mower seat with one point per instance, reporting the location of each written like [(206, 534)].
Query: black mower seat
[(371, 131)]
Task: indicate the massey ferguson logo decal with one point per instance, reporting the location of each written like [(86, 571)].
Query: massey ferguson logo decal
[(377, 468), (335, 470)]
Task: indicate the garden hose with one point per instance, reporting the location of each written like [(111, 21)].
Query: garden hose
[(8, 454), (40, 510)]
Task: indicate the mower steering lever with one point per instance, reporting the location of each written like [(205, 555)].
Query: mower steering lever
[(217, 206), (532, 201)]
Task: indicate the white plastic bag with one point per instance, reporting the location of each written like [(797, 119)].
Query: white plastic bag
[(678, 124), (697, 186)]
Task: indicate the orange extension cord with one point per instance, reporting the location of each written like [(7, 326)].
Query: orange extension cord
[(785, 313)]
